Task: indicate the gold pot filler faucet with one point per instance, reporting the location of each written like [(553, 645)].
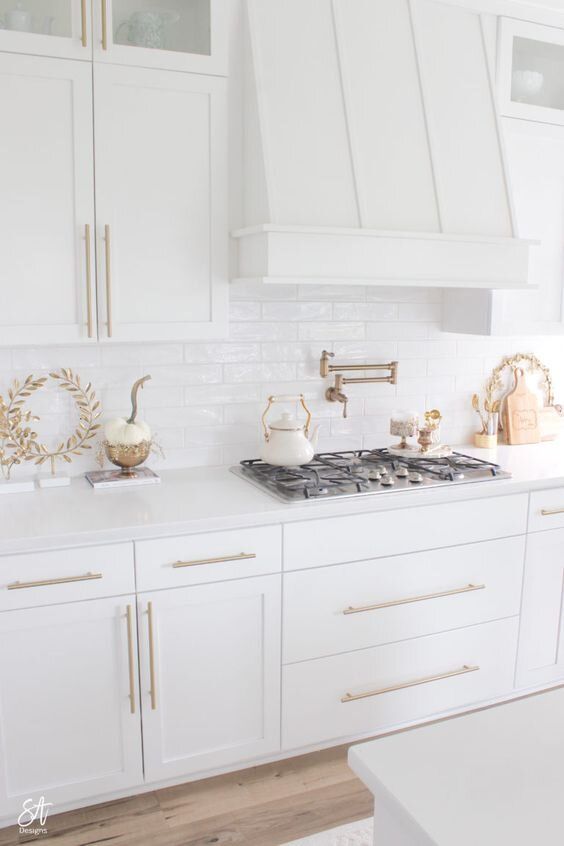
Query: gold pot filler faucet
[(335, 392)]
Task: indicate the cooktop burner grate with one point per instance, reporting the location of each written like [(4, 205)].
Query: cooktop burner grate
[(365, 472)]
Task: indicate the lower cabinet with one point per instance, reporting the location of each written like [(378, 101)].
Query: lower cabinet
[(541, 639), (69, 704), (210, 675)]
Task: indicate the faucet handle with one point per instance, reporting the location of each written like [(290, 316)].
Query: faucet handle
[(345, 403), (324, 368)]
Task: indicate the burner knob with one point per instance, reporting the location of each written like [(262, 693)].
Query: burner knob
[(388, 481), (374, 475), (379, 468), (415, 477), (402, 472)]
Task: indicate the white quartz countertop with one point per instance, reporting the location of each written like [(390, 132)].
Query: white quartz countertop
[(212, 499)]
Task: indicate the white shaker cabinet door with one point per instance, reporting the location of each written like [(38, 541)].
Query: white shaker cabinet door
[(46, 201), (160, 204), (541, 640), (210, 675), (69, 705)]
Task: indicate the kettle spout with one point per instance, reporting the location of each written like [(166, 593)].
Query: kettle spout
[(313, 438)]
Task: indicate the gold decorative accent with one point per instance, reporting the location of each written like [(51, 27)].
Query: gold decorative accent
[(17, 439), (127, 456), (495, 382), (104, 25), (89, 316), (63, 580), (243, 556), (108, 245), (392, 603), (352, 697), (89, 411), (83, 36), (283, 398), (131, 659), (152, 674)]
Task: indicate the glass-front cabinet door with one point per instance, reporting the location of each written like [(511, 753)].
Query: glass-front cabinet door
[(185, 35), (59, 28), (531, 71)]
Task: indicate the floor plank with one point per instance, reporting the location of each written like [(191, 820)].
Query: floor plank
[(259, 806)]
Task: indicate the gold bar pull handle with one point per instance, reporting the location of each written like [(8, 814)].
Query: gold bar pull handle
[(407, 601), (104, 25), (83, 34), (353, 697), (108, 253), (242, 556), (61, 581), (130, 658), (153, 691), (88, 247), (548, 512)]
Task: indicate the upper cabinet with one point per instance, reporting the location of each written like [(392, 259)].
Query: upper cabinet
[(184, 35), (531, 67)]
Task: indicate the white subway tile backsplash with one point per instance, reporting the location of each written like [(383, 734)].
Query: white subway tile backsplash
[(205, 399)]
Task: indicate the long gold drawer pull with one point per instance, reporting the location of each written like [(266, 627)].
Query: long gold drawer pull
[(392, 603), (108, 245), (547, 512), (88, 281), (153, 690), (131, 659), (243, 556), (352, 697), (104, 25), (62, 581), (83, 36)]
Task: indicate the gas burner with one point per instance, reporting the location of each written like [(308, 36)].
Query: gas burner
[(363, 472)]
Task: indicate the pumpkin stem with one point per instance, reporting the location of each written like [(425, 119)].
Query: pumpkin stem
[(134, 390)]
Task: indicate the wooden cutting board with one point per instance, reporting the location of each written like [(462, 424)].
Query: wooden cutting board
[(522, 411)]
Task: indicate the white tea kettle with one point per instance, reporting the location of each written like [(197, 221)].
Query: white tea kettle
[(287, 442)]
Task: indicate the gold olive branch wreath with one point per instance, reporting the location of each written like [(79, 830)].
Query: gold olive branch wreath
[(17, 439)]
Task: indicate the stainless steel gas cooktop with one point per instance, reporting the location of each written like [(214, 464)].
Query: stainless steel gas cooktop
[(365, 472)]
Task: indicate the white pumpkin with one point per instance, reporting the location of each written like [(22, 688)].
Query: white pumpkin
[(128, 432), (119, 431)]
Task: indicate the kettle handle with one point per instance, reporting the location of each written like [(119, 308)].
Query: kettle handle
[(286, 398)]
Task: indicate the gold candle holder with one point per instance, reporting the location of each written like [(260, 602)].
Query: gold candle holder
[(127, 456)]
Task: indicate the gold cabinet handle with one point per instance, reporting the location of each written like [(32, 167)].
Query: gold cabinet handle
[(243, 556), (104, 25), (83, 36), (153, 690), (88, 248), (107, 239), (131, 659), (548, 512), (392, 603), (62, 581), (352, 697)]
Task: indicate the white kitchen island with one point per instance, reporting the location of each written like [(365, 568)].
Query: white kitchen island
[(493, 777), (183, 630)]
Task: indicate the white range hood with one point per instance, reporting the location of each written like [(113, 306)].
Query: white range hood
[(373, 152)]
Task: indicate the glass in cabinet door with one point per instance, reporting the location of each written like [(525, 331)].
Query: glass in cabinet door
[(60, 28), (173, 34)]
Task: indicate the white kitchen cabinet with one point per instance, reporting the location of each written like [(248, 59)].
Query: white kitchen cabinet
[(183, 35), (536, 167), (69, 704), (541, 639), (47, 201), (61, 28), (160, 204), (210, 675)]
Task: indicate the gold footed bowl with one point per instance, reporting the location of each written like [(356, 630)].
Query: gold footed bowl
[(127, 456)]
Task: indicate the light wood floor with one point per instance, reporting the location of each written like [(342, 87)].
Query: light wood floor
[(261, 806)]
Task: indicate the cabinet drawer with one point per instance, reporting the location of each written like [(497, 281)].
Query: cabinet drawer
[(65, 575), (212, 557), (366, 603), (546, 510), (396, 684), (362, 536)]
